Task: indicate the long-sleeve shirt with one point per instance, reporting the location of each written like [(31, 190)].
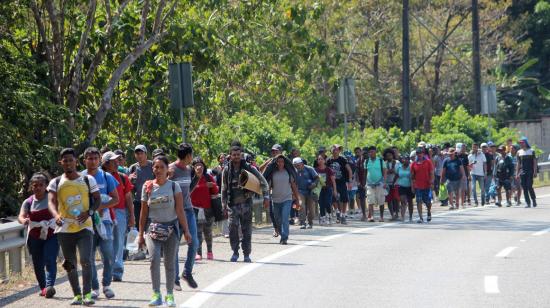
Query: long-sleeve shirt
[(201, 195)]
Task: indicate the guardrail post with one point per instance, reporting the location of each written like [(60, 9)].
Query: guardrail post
[(15, 260), (3, 274)]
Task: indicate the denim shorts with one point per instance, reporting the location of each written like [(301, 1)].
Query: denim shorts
[(423, 195)]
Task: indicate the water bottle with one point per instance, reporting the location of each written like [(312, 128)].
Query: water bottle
[(131, 244)]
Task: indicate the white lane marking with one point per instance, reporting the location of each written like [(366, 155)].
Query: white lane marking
[(491, 285), (203, 295), (541, 232), (523, 240), (505, 252)]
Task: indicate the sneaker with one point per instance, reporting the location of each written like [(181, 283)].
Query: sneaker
[(343, 221), (303, 226), (198, 257), (177, 286), (534, 204), (498, 204), (190, 281), (247, 259), (508, 204), (234, 257), (528, 205), (420, 221), (156, 300), (117, 279), (284, 242), (50, 292), (518, 203), (108, 292), (169, 299), (310, 226), (451, 208), (95, 294), (42, 292), (371, 220), (88, 300), (77, 300), (210, 256), (429, 217), (363, 218)]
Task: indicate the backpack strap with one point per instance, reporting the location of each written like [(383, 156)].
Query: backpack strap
[(381, 165), (122, 179), (174, 188), (27, 203)]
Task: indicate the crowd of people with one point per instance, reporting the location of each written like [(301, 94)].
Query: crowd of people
[(93, 209)]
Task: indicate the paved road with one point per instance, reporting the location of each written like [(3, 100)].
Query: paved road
[(478, 257)]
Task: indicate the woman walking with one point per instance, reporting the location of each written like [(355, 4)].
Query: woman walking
[(201, 199), (392, 198), (327, 185), (41, 240), (162, 204), (404, 187)]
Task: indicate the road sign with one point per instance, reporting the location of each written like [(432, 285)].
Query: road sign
[(181, 85), (346, 101), (489, 99)]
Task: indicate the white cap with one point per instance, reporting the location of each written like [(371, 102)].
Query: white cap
[(140, 147), (107, 156), (297, 160), (484, 145)]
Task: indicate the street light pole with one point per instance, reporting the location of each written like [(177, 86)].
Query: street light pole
[(405, 77), (475, 57)]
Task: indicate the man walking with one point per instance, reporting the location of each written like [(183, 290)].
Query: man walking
[(307, 179), (452, 174), (526, 170), (69, 202), (237, 201), (478, 169), (375, 173), (422, 176), (140, 172), (343, 174)]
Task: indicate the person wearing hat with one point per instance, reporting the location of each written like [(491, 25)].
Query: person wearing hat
[(124, 211), (461, 153), (477, 161), (343, 174), (490, 155), (526, 171), (504, 171), (422, 178), (158, 152), (452, 174), (140, 172), (306, 180), (109, 199)]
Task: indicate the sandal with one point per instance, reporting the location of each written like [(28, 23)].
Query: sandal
[(275, 233)]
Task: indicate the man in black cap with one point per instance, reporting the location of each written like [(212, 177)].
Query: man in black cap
[(140, 172)]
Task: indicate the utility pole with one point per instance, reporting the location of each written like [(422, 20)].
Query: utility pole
[(405, 76), (475, 57)]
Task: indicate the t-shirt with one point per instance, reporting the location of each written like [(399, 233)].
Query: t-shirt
[(38, 211), (338, 165), (183, 177), (404, 173), (476, 161), (490, 158), (281, 190), (465, 162), (504, 167), (73, 197), (422, 171), (144, 173), (304, 179), (527, 158), (107, 184), (161, 201), (325, 177), (375, 175), (452, 168), (391, 168), (123, 188), (438, 164)]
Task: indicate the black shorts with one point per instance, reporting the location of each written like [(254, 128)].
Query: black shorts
[(406, 191), (342, 191), (504, 183)]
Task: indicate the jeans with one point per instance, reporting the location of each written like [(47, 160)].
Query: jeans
[(119, 238), (528, 191), (106, 251), (488, 181), (191, 248), (169, 249), (82, 239), (325, 201), (481, 180), (240, 216), (282, 214), (44, 254), (272, 216)]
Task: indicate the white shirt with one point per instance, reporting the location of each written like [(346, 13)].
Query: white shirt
[(477, 161)]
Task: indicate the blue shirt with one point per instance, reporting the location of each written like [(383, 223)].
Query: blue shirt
[(374, 168), (305, 178), (452, 168), (106, 183), (404, 174)]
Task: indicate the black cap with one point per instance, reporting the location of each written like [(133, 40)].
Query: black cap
[(158, 152)]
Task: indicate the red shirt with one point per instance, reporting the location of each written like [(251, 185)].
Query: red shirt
[(421, 173), (201, 195), (122, 189)]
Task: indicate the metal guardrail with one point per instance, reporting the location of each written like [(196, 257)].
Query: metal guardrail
[(544, 171), (12, 246)]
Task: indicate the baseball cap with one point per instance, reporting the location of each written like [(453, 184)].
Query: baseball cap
[(321, 150), (107, 156), (459, 146), (140, 147), (452, 150), (277, 147), (419, 150), (119, 152), (484, 145), (297, 160), (490, 143), (336, 146), (422, 144), (157, 152)]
